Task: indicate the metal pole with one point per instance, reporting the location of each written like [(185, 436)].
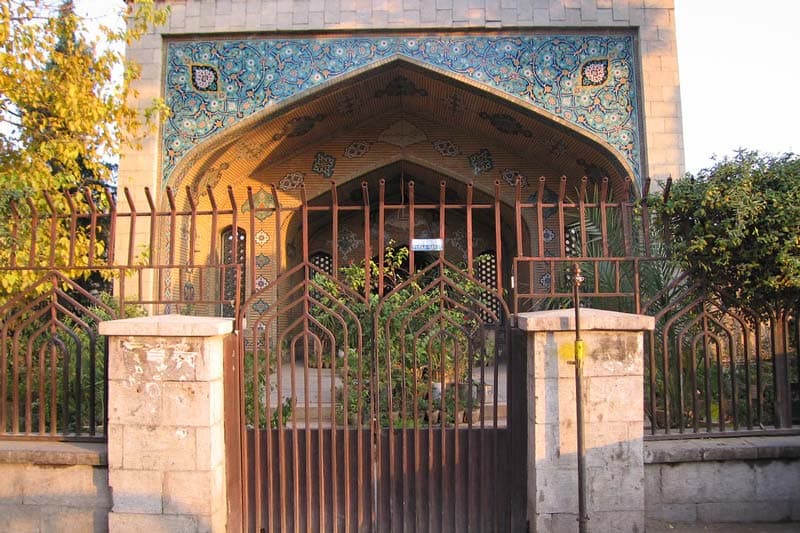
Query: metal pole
[(583, 518)]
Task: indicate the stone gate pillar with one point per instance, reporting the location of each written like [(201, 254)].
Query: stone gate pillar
[(166, 442), (613, 416)]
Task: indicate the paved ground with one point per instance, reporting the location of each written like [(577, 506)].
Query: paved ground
[(660, 527)]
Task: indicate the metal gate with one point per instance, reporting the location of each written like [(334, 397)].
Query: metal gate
[(383, 394)]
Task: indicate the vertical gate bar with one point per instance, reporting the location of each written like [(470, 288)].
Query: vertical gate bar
[(131, 227), (442, 439), (645, 214), (34, 232), (562, 190), (269, 453), (192, 225), (280, 515), (392, 474), (747, 377), (540, 217), (518, 216), (787, 384), (681, 389), (333, 430), (651, 354), (111, 247), (375, 441), (626, 206), (780, 374), (759, 380), (153, 250), (256, 406), (734, 387), (295, 443), (442, 295), (251, 233), (172, 225), (381, 244), (15, 218), (582, 214), (281, 511), (520, 250), (51, 261), (695, 395), (470, 260), (53, 389), (707, 368), (498, 240), (796, 344), (92, 227), (212, 247), (306, 355), (604, 215), (335, 230), (469, 214), (665, 365), (721, 399), (411, 200), (4, 382), (637, 292)]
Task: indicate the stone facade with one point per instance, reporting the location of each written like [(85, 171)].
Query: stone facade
[(165, 429), (613, 420)]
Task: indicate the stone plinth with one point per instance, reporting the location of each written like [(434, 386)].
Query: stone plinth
[(613, 416), (166, 442)]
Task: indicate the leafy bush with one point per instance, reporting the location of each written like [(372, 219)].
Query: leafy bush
[(735, 228)]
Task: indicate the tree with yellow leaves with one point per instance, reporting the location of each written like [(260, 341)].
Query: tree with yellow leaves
[(64, 89)]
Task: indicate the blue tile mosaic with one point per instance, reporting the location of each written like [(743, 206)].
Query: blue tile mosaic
[(586, 80)]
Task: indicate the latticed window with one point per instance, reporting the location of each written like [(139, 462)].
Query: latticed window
[(322, 261), (486, 273), (233, 254)]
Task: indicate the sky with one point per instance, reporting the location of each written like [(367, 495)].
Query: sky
[(740, 77), (739, 73)]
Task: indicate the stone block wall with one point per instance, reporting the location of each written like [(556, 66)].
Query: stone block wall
[(744, 479), (53, 487)]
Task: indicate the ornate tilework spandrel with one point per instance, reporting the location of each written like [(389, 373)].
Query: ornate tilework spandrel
[(586, 80)]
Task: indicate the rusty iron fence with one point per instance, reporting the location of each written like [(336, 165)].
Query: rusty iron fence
[(72, 259)]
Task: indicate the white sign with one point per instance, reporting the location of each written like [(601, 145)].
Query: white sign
[(427, 245)]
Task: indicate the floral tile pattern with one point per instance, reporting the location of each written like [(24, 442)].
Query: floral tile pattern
[(263, 203), (357, 149), (587, 80), (262, 260), (446, 147), (323, 164), (481, 161), (510, 176), (291, 181)]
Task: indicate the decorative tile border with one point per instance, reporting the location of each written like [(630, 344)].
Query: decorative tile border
[(586, 80)]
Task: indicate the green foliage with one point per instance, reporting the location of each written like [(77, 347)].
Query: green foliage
[(735, 228), (427, 330)]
